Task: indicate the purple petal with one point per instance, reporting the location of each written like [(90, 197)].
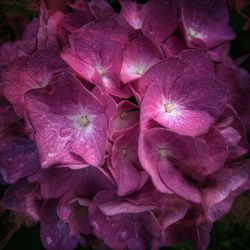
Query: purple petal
[(173, 46), (54, 232), (71, 211), (188, 105), (205, 23), (128, 116), (119, 231), (68, 122), (55, 182), (199, 60), (227, 185), (169, 70), (18, 159), (160, 20), (124, 163), (138, 57), (101, 9), (131, 11), (28, 73), (234, 134), (154, 157)]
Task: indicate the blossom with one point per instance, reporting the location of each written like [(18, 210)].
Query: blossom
[(124, 129)]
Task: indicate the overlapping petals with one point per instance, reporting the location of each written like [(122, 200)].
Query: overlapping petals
[(123, 130)]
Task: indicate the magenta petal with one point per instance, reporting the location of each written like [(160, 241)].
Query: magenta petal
[(18, 159), (170, 210), (188, 105), (74, 125), (155, 153), (28, 73), (128, 116), (31, 29), (71, 211), (152, 171), (16, 195), (173, 46), (220, 53), (97, 60), (219, 210), (11, 51), (74, 20), (227, 184), (114, 28), (234, 134), (196, 156), (124, 163), (205, 22), (160, 20), (47, 31), (198, 233), (122, 206), (54, 232), (101, 9), (56, 182), (167, 70), (81, 5), (226, 181), (131, 11), (199, 60), (237, 95), (138, 57), (212, 152), (16, 77), (107, 101), (122, 231), (43, 64)]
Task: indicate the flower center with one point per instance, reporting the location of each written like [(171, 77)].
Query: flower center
[(169, 107), (139, 71), (101, 71), (192, 33), (195, 34), (83, 121), (124, 115), (162, 152), (124, 152)]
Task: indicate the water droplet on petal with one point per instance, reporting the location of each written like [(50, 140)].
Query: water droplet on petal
[(122, 235), (94, 225), (49, 240)]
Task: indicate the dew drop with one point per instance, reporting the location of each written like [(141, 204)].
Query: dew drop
[(49, 240), (94, 225), (122, 235)]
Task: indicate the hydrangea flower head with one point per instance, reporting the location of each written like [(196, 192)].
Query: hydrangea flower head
[(123, 126)]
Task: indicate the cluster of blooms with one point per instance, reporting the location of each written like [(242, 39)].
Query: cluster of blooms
[(124, 130)]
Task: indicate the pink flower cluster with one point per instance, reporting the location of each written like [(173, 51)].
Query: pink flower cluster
[(124, 130)]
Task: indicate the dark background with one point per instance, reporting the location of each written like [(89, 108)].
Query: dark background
[(231, 233)]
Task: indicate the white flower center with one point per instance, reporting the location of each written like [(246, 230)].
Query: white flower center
[(169, 107), (101, 71), (83, 121), (162, 152), (140, 71), (195, 34)]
